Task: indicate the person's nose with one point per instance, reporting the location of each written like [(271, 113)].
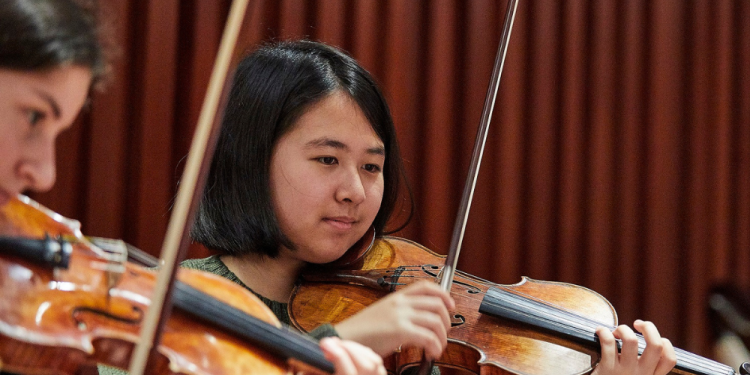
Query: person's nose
[(351, 189), (37, 168)]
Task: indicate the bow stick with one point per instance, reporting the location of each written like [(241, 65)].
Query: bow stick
[(459, 227), (451, 260), (191, 185)]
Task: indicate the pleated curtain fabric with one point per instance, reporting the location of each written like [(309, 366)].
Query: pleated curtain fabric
[(618, 156)]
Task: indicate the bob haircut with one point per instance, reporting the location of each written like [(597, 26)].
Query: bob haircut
[(45, 34), (272, 88)]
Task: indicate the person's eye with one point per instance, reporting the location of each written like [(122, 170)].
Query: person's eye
[(34, 116), (374, 168), (327, 160)]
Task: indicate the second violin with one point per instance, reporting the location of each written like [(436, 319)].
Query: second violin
[(533, 327)]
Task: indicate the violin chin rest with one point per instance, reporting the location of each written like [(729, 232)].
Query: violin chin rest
[(745, 368)]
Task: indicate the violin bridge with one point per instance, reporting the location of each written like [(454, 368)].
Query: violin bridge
[(115, 252)]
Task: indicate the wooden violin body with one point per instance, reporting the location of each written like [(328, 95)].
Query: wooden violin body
[(57, 320), (495, 328)]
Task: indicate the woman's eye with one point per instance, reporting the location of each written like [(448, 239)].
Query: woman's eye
[(34, 117), (327, 160), (372, 168)]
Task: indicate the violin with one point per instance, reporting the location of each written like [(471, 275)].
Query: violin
[(532, 327), (67, 303)]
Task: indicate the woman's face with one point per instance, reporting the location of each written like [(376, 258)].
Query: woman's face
[(327, 179), (34, 109)]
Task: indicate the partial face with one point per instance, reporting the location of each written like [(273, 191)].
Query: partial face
[(327, 179), (34, 109)]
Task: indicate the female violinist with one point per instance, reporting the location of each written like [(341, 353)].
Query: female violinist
[(50, 57), (307, 162)]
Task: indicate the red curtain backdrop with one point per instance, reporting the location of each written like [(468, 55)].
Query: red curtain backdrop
[(618, 156)]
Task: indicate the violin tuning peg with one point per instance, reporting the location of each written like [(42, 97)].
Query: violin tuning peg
[(745, 368)]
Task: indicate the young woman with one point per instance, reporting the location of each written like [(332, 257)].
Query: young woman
[(306, 163), (50, 56)]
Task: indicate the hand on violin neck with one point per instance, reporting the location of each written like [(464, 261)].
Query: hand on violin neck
[(351, 358), (417, 315), (658, 358)]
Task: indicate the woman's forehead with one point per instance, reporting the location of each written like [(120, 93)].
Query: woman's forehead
[(335, 121)]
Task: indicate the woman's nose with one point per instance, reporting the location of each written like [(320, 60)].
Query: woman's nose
[(351, 188), (37, 168)]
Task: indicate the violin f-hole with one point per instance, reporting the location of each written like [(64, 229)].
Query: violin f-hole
[(80, 312), (457, 320)]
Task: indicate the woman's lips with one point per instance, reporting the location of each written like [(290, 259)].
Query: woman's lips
[(341, 223)]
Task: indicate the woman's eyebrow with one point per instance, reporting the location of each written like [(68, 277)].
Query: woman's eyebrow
[(380, 150), (328, 142)]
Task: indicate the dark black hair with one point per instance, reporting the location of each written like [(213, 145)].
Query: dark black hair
[(44, 34), (272, 88)]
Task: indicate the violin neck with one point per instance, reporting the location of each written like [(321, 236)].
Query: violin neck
[(278, 341), (502, 303)]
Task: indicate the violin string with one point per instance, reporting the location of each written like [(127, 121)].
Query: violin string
[(591, 325), (556, 318), (588, 326), (561, 316)]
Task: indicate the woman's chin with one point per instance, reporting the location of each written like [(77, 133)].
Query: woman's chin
[(328, 258), (329, 254), (323, 250)]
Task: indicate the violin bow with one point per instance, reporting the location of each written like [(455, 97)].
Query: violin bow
[(459, 227), (191, 187), (451, 260)]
